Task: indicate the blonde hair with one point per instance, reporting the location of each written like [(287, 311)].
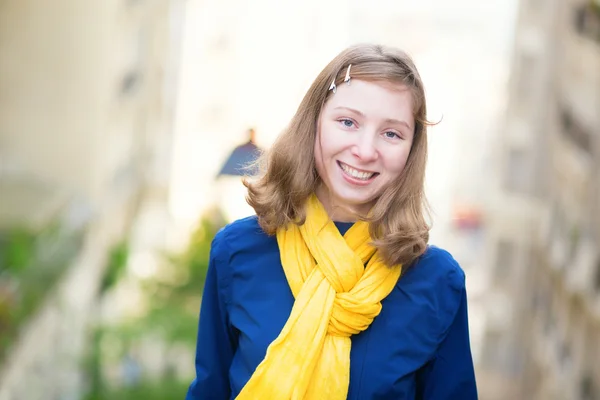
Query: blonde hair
[(288, 173)]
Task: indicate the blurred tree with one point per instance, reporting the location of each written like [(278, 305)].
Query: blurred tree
[(18, 250), (117, 264), (31, 262), (174, 295), (173, 298), (156, 390)]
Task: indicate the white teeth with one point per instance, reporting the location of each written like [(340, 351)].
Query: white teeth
[(355, 173)]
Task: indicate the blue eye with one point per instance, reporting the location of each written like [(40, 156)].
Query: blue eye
[(391, 135), (347, 123)]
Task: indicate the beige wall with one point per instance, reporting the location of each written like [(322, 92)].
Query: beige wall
[(64, 116), (55, 88)]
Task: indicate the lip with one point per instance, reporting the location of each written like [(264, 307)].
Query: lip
[(358, 182)]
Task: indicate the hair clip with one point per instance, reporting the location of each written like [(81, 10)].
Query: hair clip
[(347, 78), (333, 87)]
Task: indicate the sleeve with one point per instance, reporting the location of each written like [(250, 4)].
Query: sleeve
[(215, 344), (450, 374)]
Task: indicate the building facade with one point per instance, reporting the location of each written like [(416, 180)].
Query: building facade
[(86, 97), (545, 217)]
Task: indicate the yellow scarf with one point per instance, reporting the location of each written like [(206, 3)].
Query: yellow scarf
[(335, 297)]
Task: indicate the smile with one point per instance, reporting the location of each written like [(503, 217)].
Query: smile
[(357, 173)]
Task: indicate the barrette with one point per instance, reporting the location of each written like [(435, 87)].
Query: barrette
[(347, 78), (332, 86)]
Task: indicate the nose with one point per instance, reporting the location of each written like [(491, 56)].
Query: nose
[(364, 148)]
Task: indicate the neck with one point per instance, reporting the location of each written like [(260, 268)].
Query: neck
[(338, 211)]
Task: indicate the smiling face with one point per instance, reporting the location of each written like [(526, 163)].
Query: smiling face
[(364, 136)]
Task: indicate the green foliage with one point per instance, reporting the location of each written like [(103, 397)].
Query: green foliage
[(173, 298), (92, 363), (30, 265), (117, 263), (167, 389), (17, 250)]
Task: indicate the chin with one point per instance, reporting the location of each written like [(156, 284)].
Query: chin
[(357, 201)]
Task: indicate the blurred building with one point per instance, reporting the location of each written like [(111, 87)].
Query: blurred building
[(86, 98), (544, 237)]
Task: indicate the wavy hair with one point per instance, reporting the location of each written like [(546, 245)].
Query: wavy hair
[(288, 174)]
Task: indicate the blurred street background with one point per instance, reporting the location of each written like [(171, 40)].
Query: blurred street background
[(122, 123)]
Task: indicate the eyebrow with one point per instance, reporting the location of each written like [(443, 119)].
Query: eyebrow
[(388, 120)]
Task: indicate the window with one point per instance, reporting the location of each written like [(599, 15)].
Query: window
[(597, 277), (587, 390), (526, 83), (518, 171), (586, 19), (505, 258), (549, 321), (133, 59), (580, 19), (564, 355), (574, 131), (574, 240)]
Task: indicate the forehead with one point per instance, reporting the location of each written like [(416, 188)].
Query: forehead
[(374, 99)]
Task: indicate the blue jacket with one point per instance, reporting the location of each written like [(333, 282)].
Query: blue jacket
[(417, 348)]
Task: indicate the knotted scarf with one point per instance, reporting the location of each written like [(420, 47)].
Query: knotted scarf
[(336, 296)]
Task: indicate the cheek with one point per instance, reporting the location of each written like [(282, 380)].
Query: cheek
[(319, 156), (395, 163), (325, 149), (332, 138)]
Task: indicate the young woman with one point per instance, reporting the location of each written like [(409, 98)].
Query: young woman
[(331, 291)]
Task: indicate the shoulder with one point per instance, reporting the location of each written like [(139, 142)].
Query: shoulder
[(240, 228), (440, 268), (240, 236), (438, 281)]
